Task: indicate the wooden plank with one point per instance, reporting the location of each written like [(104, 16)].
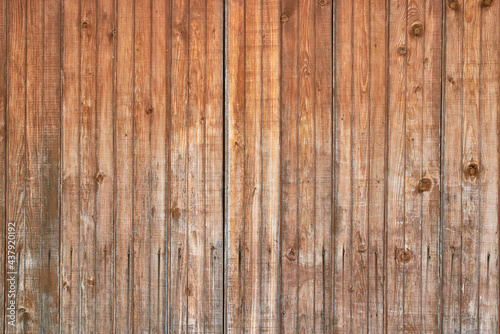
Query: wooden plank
[(104, 173), (431, 168), (395, 205), (323, 91), (51, 167), (360, 164), (16, 167), (252, 186), (307, 167), (141, 213), (195, 168), (235, 160), (343, 169), (271, 79), (3, 153), (214, 148), (471, 194), (378, 144), (452, 169), (178, 169), (160, 99), (413, 171), (70, 248), (34, 146), (489, 145), (88, 163), (289, 166), (123, 167)]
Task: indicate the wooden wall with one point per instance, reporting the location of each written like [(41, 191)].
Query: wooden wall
[(249, 166)]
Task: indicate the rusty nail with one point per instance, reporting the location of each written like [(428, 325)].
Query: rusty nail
[(453, 4), (424, 184), (322, 2), (417, 28), (402, 50), (486, 3), (284, 17), (472, 169)]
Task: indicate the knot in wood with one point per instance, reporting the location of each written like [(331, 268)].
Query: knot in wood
[(322, 2), (402, 50), (404, 255), (99, 177), (486, 3), (424, 184), (362, 248), (417, 28), (284, 17), (453, 4), (291, 255), (149, 111), (85, 24), (113, 32), (472, 169)]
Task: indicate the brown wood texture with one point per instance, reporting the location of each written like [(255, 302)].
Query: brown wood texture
[(249, 166)]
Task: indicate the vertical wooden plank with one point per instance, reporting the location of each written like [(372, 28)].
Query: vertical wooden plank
[(70, 248), (235, 160), (160, 99), (16, 166), (252, 196), (471, 197), (488, 177), (360, 164), (395, 206), (104, 174), (452, 168), (195, 168), (178, 168), (51, 167), (214, 149), (271, 79), (413, 119), (343, 169), (123, 167), (324, 158), (431, 167), (289, 166), (88, 163), (3, 142), (33, 183), (378, 145), (307, 166), (142, 166)]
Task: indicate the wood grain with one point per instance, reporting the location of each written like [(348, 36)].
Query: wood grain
[(3, 151)]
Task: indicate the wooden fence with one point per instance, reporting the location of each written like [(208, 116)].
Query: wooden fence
[(249, 166)]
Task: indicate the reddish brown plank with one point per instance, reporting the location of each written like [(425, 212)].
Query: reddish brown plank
[(123, 167), (3, 142)]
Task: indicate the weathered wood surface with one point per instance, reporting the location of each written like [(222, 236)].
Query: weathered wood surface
[(234, 166)]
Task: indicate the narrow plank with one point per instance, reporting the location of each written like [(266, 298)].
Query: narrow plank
[(343, 169), (413, 169), (214, 148), (271, 79), (471, 194), (178, 169), (378, 144), (15, 201), (289, 158), (252, 186), (51, 198), (70, 238), (3, 142), (235, 160), (88, 163), (431, 167), (142, 166), (324, 159), (452, 168), (123, 167), (34, 146), (307, 167), (104, 174), (195, 168), (160, 99), (360, 164), (395, 206), (489, 145)]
